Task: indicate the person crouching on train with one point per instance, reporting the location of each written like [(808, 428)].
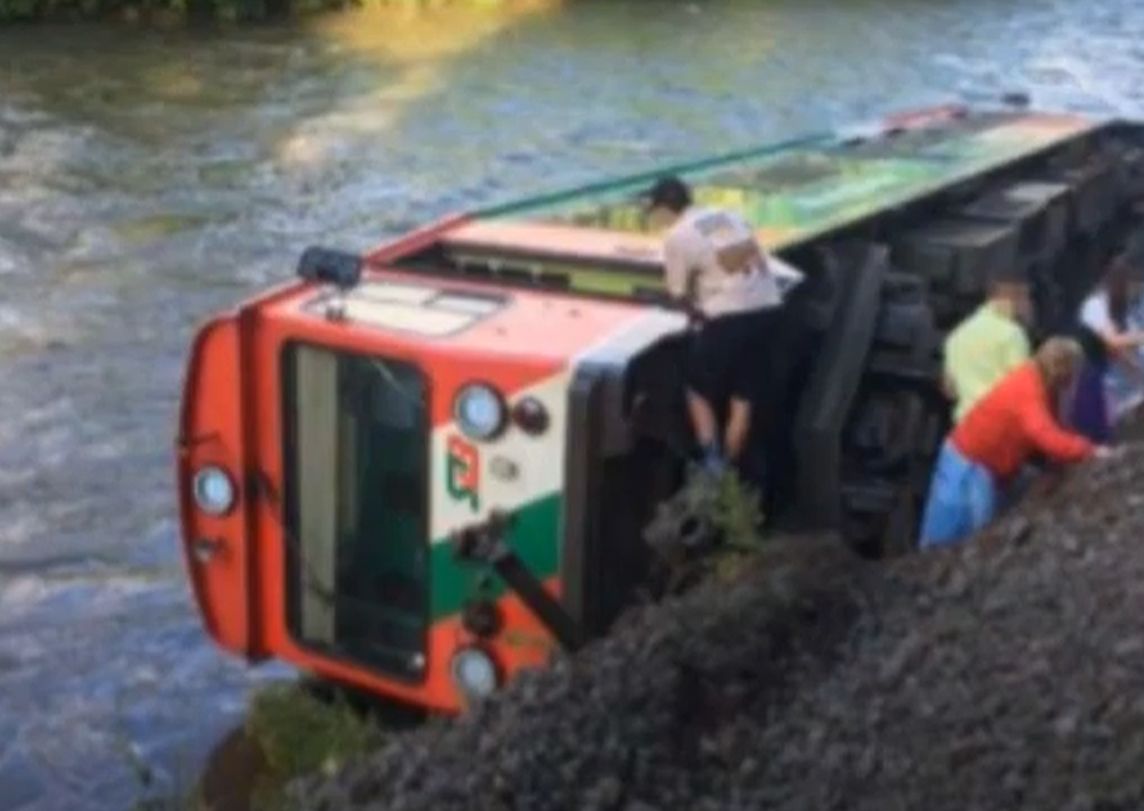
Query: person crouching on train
[(716, 269), (997, 437)]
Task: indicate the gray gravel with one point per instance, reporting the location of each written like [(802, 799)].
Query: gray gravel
[(1004, 674)]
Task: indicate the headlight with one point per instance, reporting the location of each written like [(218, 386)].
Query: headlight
[(213, 490), (479, 411), (474, 673)]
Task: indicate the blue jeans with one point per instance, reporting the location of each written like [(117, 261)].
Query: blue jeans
[(962, 499)]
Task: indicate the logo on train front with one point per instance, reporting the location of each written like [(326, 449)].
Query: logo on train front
[(463, 471)]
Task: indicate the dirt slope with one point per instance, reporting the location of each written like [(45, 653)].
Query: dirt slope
[(1004, 674)]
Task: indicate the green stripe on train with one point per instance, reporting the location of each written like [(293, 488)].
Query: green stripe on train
[(636, 182), (533, 535)]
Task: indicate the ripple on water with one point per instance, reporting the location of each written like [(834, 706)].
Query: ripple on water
[(13, 260), (113, 695)]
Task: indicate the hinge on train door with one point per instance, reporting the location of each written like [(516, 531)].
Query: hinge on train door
[(259, 485)]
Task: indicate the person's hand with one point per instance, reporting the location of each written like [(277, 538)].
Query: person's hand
[(947, 387), (695, 317)]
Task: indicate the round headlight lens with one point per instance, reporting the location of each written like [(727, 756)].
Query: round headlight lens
[(474, 673), (479, 411), (213, 490)]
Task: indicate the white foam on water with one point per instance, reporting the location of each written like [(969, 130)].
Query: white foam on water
[(20, 528), (12, 260), (65, 595), (57, 410), (21, 329), (45, 150), (128, 689), (20, 592)]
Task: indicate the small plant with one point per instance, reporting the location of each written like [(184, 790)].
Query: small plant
[(300, 733), (711, 524), (737, 514)]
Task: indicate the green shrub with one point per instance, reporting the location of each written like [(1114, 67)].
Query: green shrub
[(300, 733)]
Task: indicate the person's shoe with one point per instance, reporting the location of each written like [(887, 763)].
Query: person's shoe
[(714, 462)]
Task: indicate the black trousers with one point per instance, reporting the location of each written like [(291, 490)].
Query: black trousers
[(751, 356)]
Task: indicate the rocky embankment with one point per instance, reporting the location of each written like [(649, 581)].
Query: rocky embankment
[(1003, 674)]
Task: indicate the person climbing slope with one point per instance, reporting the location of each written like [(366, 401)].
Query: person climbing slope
[(987, 449)]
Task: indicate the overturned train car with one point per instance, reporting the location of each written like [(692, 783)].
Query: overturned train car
[(419, 471)]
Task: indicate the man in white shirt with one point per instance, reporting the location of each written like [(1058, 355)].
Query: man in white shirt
[(715, 268), (1126, 383), (1105, 332)]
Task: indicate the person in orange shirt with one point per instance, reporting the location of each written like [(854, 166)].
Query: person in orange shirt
[(987, 449)]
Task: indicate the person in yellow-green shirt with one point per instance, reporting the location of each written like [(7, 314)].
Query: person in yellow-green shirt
[(989, 343)]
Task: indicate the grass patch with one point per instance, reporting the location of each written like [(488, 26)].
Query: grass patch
[(736, 513), (291, 730), (712, 525), (300, 733)]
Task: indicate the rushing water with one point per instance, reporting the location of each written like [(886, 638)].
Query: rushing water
[(148, 179)]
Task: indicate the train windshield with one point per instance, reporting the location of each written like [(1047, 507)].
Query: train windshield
[(356, 477)]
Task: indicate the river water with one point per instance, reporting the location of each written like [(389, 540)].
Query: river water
[(148, 179)]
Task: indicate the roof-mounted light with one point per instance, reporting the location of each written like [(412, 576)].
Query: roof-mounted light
[(341, 269)]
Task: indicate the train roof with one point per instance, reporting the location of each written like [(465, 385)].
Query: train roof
[(595, 239)]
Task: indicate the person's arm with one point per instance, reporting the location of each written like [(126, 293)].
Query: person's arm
[(948, 386), (1048, 437), (1096, 316), (1130, 363), (679, 278), (676, 267), (1118, 341), (785, 274)]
